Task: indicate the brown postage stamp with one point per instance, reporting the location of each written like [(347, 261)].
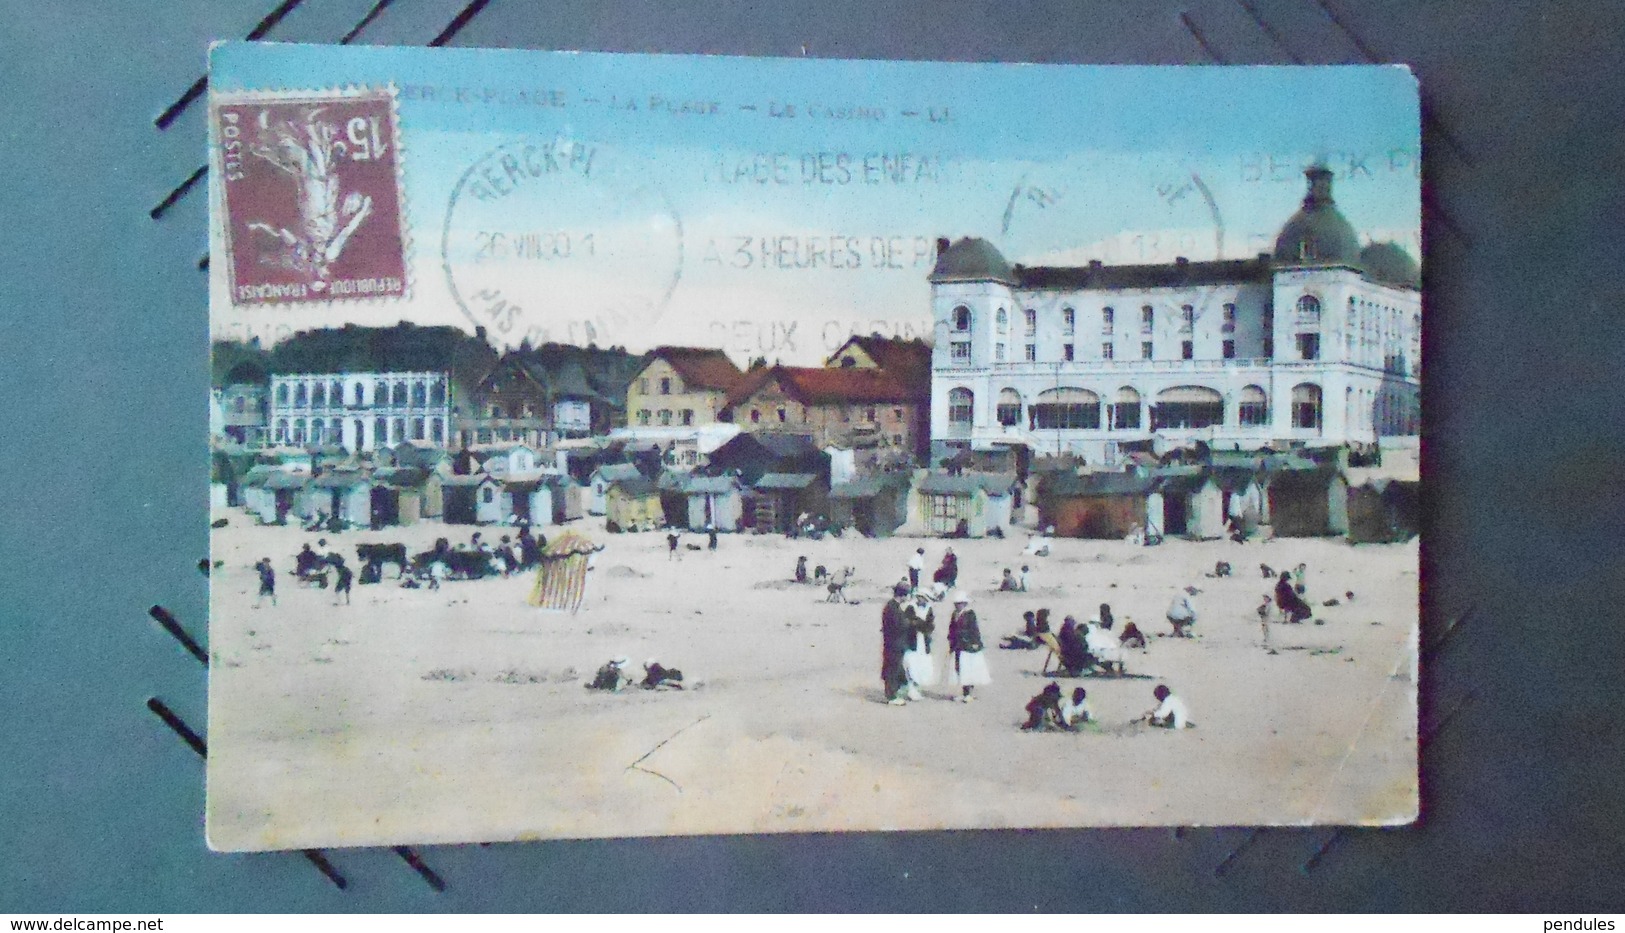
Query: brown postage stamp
[(312, 201)]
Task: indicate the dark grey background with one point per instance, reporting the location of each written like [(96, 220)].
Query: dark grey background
[(102, 476)]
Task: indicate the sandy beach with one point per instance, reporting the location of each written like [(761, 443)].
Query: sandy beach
[(418, 716)]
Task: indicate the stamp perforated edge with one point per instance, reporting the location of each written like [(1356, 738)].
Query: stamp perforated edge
[(217, 200)]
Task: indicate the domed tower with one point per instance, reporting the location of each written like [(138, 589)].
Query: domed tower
[(1318, 234), (1390, 264), (971, 288)]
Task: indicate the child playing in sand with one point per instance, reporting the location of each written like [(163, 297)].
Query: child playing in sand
[(1075, 711), (1044, 710), (1182, 612), (1171, 712), (611, 677)]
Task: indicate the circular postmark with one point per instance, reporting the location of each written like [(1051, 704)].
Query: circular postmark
[(562, 240)]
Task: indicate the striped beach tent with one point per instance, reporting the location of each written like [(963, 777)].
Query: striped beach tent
[(561, 578)]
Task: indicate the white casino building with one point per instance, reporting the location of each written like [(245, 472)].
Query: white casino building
[(1318, 342), (359, 411)]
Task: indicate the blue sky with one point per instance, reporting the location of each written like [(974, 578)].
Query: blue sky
[(691, 213)]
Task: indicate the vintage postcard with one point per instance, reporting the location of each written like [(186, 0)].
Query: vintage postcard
[(617, 445)]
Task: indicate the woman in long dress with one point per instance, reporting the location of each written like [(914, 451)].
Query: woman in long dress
[(917, 663), (968, 667)]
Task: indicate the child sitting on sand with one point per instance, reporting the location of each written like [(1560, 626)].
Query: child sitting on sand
[(611, 677), (1171, 712), (1044, 710), (1075, 711)]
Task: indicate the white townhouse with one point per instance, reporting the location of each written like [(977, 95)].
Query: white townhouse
[(359, 411), (1319, 341)]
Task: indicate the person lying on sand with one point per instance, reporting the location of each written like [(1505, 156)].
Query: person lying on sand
[(656, 676), (611, 677)]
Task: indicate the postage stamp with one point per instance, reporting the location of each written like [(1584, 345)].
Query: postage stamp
[(697, 445), (312, 200)]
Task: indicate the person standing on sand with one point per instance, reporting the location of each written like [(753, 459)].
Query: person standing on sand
[(711, 537), (917, 664), (896, 637), (968, 667), (916, 565), (671, 544), (342, 586), (267, 581), (948, 571)]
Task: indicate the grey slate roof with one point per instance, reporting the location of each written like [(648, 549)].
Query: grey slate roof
[(785, 481), (944, 484)]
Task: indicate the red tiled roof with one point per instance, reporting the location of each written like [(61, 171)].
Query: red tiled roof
[(891, 353), (701, 368), (818, 386)]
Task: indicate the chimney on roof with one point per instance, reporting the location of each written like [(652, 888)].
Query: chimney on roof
[(1094, 264), (1181, 261), (942, 246), (1320, 186)]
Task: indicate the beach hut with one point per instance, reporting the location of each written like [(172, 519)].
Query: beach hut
[(1186, 502), (1243, 492), (713, 501), (1383, 509), (474, 499), (561, 577), (950, 503), (346, 494), (775, 500), (1094, 505), (527, 498), (874, 505), (633, 504), (601, 479), (569, 497), (397, 495), (1308, 503), (754, 455), (271, 494)]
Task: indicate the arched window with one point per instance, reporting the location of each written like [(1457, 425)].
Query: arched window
[(437, 394), (1306, 406), (380, 393), (397, 430), (1125, 412), (1009, 410), (1187, 407), (1255, 407), (360, 393), (962, 319), (1069, 320), (398, 397), (301, 395), (1308, 312), (1030, 318), (298, 430), (335, 430), (335, 393), (961, 406), (319, 395), (282, 429), (1001, 321), (420, 394), (1067, 408), (282, 394), (380, 432)]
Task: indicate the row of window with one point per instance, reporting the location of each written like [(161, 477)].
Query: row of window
[(385, 431), (665, 386), (1070, 408), (962, 320), (959, 351), (646, 417), (324, 394)]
